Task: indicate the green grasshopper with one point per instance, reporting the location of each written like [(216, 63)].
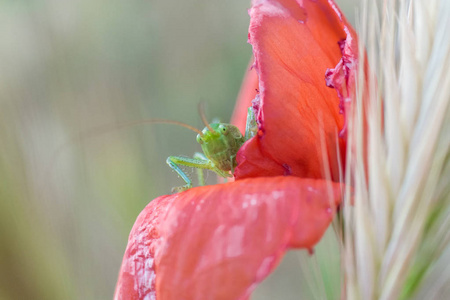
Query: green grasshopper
[(220, 143)]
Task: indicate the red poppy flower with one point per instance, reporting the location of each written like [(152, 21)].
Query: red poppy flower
[(218, 242)]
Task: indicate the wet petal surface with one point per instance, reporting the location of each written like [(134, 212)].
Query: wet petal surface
[(217, 242)]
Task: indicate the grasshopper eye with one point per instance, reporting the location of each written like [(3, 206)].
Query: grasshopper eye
[(199, 139), (223, 129)]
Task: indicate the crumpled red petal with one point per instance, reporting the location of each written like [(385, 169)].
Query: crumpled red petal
[(342, 77), (217, 242), (294, 43)]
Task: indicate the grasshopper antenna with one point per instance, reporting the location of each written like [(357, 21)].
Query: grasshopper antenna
[(163, 121), (201, 111), (105, 129), (102, 130)]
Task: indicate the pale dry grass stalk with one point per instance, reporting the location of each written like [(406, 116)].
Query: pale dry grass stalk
[(396, 239)]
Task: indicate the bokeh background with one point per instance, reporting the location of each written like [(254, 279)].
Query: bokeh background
[(69, 193)]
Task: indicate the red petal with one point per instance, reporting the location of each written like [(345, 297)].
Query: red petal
[(217, 242), (299, 117)]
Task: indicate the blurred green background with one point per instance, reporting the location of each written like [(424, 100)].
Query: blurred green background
[(68, 198)]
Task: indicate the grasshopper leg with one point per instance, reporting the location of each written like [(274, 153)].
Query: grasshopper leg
[(175, 161), (200, 173), (251, 127)]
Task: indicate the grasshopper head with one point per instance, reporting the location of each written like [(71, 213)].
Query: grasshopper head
[(214, 132), (220, 143)]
